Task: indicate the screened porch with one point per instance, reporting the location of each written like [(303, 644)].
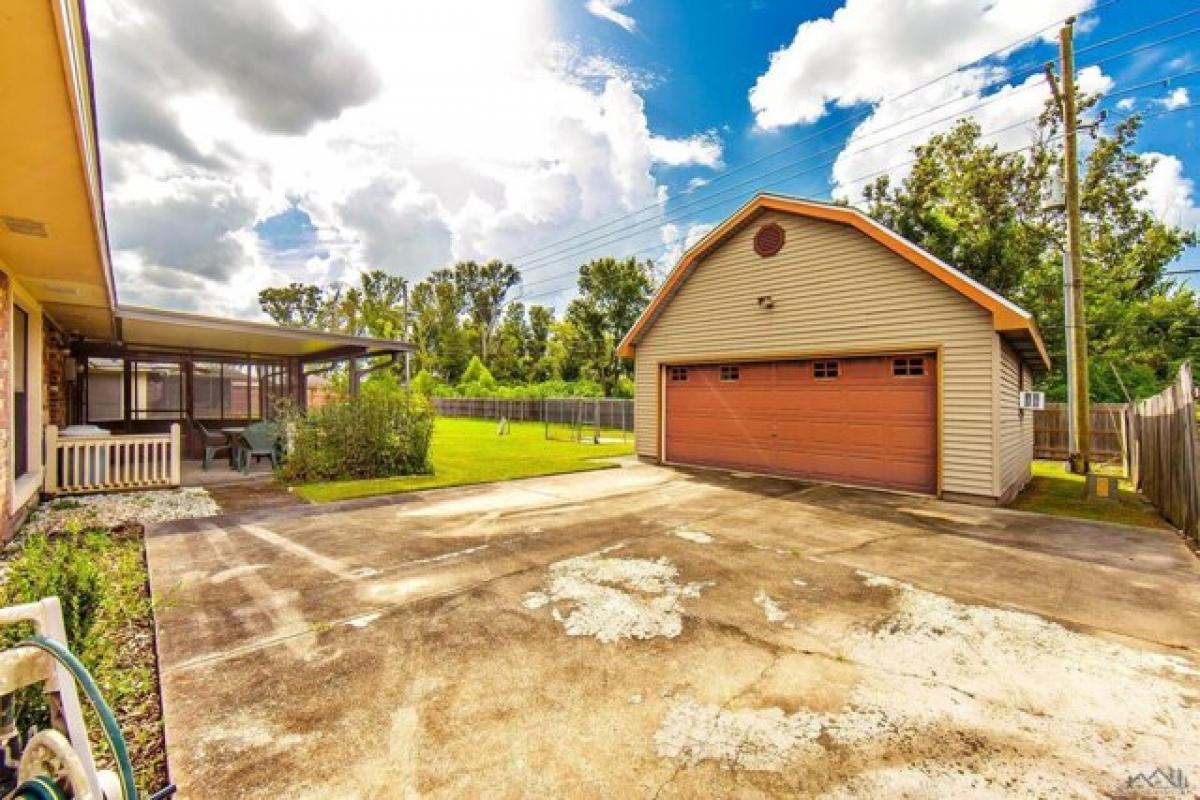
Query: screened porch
[(149, 403)]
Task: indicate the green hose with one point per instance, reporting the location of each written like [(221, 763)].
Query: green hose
[(108, 722), (39, 788)]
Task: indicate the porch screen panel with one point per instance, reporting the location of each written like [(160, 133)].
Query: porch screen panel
[(157, 390), (104, 398), (206, 390)]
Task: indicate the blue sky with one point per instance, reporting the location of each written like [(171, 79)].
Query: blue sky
[(252, 143), (706, 61)]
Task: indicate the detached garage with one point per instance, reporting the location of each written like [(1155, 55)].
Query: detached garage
[(806, 340)]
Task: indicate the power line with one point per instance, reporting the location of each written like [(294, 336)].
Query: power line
[(861, 115), (1014, 75), (791, 176), (682, 237), (571, 250)]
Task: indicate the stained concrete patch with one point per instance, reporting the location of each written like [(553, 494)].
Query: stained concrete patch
[(751, 739), (950, 699), (1015, 680), (699, 537), (615, 598), (774, 612), (363, 620)]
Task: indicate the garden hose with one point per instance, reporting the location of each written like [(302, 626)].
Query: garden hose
[(36, 789), (39, 788)]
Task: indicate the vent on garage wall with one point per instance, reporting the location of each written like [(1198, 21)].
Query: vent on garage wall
[(769, 240)]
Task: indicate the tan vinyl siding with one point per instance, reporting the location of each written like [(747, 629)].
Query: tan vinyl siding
[(835, 290), (1016, 426)]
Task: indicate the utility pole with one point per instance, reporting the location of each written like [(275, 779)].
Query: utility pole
[(1076, 320)]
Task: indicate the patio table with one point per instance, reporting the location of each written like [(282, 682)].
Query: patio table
[(231, 436)]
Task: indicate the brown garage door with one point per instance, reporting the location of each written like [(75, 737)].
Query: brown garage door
[(868, 421)]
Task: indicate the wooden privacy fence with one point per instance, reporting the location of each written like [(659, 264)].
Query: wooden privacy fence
[(82, 464), (606, 412), (1051, 426), (1164, 452)]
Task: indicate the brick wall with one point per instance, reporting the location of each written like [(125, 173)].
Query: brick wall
[(54, 387)]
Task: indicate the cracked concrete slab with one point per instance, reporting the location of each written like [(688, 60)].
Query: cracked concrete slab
[(391, 649)]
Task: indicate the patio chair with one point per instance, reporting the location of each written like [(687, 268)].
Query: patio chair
[(260, 440), (214, 444)]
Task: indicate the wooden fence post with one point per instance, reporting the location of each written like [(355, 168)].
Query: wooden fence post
[(176, 476)]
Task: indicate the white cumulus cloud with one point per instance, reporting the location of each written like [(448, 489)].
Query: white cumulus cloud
[(883, 142), (1176, 99), (869, 50), (607, 9), (408, 138), (1171, 195)]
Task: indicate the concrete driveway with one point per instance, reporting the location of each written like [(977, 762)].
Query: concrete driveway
[(649, 632)]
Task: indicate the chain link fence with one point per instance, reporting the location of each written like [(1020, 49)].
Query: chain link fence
[(564, 417)]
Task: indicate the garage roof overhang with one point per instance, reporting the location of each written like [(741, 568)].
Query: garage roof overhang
[(148, 329), (1013, 323)]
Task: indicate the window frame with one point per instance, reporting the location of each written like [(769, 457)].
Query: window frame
[(677, 374), (140, 407), (730, 373), (910, 363), (21, 419), (829, 369)]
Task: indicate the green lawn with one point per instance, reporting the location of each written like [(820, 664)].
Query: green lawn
[(468, 451), (1056, 491)]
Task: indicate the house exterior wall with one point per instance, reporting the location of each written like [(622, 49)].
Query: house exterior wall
[(836, 291), (20, 492), (1015, 425)]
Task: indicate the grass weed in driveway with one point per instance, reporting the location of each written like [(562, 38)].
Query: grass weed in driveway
[(467, 451)]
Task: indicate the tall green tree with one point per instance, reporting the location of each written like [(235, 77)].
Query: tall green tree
[(980, 209), (373, 307), (299, 305), (442, 344), (612, 293), (485, 289)]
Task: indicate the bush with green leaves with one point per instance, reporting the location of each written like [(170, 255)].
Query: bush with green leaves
[(99, 577), (383, 432)]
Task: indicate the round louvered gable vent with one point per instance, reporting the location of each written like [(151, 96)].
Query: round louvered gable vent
[(769, 240)]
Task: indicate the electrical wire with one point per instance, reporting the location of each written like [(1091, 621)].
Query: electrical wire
[(572, 250), (523, 295), (867, 112)]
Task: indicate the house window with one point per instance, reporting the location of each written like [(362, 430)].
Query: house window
[(20, 376), (731, 373), (678, 374), (827, 369), (908, 366)]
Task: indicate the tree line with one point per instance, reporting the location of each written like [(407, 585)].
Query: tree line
[(469, 327), (967, 202)]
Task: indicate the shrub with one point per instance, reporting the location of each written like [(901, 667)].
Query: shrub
[(66, 567), (425, 384), (476, 374), (99, 578), (381, 433)]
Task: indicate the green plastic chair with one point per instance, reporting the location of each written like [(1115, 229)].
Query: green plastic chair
[(214, 444), (259, 440)]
